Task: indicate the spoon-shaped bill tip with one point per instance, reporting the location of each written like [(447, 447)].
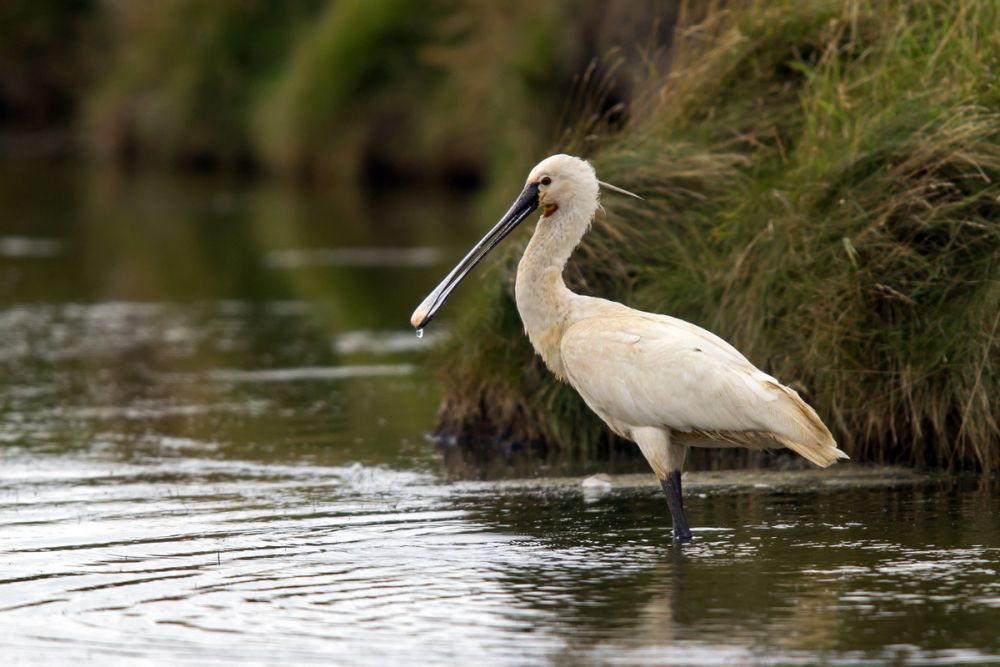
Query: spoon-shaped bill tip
[(419, 316)]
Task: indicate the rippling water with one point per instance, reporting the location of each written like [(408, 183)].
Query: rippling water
[(212, 452)]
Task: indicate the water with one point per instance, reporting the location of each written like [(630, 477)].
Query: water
[(212, 453)]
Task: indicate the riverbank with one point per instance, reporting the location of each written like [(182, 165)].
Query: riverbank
[(820, 188)]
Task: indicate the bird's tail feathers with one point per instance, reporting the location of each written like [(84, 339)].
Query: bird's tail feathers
[(807, 436), (822, 455)]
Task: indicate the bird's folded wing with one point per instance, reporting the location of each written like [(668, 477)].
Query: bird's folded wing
[(650, 370)]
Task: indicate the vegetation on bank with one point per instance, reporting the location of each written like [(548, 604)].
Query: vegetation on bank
[(821, 188)]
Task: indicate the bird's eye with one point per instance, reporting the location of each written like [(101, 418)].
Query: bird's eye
[(546, 180)]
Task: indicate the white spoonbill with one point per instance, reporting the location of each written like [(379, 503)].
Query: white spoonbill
[(659, 381)]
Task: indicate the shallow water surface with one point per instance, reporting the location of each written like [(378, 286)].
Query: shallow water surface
[(212, 452)]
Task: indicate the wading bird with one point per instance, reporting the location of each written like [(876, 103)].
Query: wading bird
[(661, 382)]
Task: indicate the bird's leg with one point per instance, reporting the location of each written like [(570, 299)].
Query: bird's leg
[(675, 501), (666, 457)]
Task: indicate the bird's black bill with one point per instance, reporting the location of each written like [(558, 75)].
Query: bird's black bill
[(526, 202)]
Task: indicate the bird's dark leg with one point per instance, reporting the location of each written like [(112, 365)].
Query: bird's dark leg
[(672, 488)]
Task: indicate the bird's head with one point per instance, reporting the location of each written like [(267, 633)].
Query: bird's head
[(563, 186), (563, 181)]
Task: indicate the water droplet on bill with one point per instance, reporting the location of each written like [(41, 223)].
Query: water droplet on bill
[(420, 332)]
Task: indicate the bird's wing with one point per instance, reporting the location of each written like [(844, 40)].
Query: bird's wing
[(639, 370)]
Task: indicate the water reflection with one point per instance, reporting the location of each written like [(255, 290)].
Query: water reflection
[(826, 574), (172, 310), (211, 451), (249, 562)]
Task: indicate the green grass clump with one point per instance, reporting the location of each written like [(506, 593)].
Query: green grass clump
[(821, 189)]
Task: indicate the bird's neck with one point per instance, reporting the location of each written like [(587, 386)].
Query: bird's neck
[(543, 300)]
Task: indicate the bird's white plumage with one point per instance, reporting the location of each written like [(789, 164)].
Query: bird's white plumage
[(676, 378), (658, 380), (648, 370)]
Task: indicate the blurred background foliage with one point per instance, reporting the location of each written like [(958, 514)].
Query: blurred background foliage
[(454, 92)]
